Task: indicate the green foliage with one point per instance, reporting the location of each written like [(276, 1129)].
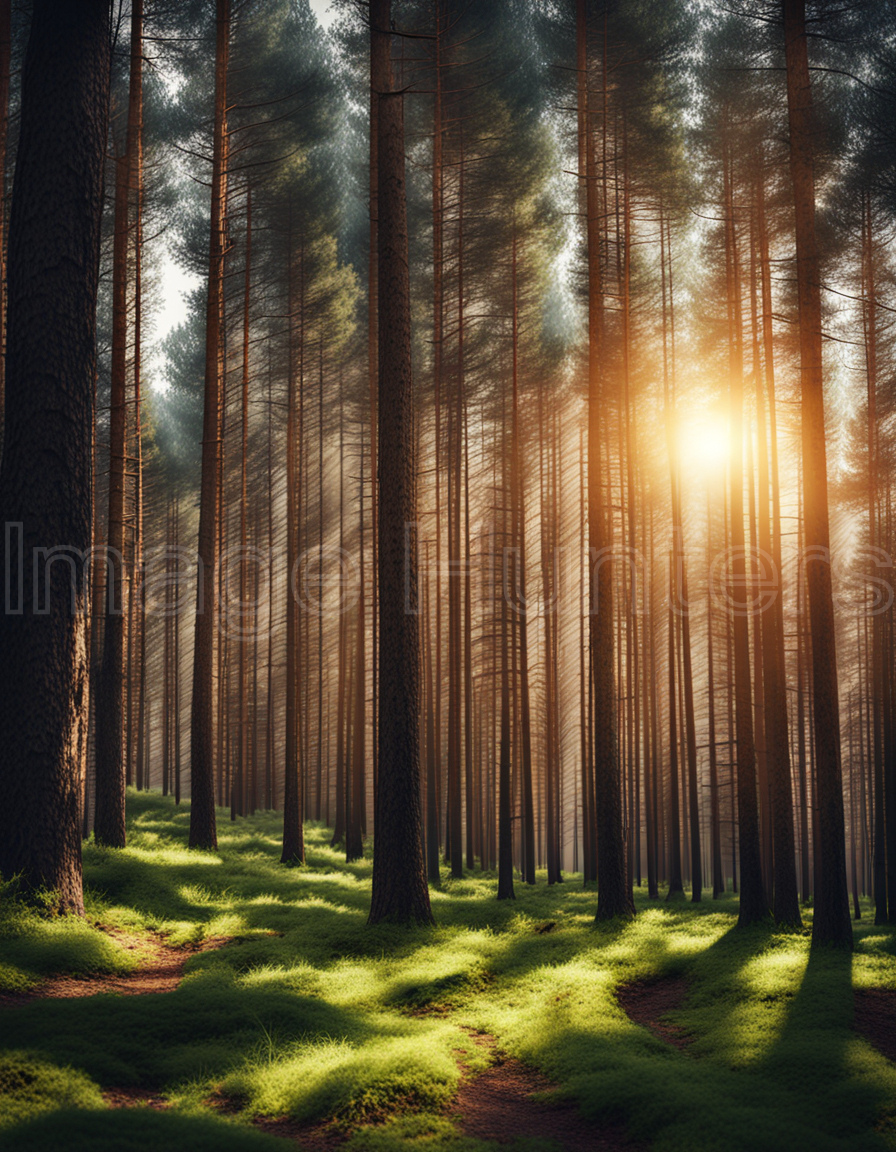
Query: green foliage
[(310, 1013)]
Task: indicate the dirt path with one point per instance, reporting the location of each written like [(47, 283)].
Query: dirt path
[(875, 1018), (500, 1104), (160, 969), (648, 1001)]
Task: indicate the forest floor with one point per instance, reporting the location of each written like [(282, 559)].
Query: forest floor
[(220, 1001)]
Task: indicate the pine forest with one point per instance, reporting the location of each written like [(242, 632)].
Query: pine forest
[(448, 640)]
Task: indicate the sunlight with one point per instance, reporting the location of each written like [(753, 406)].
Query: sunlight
[(703, 439)]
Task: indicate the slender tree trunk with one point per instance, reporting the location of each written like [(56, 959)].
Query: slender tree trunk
[(293, 781), (753, 903), (614, 891), (831, 923), (109, 819), (870, 329), (785, 902), (354, 843), (203, 833)]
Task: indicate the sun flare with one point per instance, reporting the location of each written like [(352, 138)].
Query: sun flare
[(703, 440)]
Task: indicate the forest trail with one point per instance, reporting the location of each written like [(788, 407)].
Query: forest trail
[(502, 1103), (161, 969), (647, 1002)]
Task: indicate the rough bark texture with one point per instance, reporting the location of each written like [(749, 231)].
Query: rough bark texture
[(399, 883), (46, 477), (831, 923), (203, 833)]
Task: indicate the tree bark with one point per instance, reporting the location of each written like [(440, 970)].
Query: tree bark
[(399, 892), (46, 474)]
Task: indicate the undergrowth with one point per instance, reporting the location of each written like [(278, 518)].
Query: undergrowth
[(311, 1014)]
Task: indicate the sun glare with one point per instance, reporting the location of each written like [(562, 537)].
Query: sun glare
[(703, 440)]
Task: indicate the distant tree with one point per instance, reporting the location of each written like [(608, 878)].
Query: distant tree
[(46, 474)]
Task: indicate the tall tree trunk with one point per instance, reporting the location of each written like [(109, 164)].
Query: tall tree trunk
[(203, 833), (875, 677), (109, 819), (753, 903), (831, 923), (785, 898), (293, 780), (614, 897), (399, 891), (46, 475), (238, 805), (5, 56), (518, 544), (354, 842)]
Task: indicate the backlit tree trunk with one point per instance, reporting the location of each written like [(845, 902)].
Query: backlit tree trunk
[(831, 923)]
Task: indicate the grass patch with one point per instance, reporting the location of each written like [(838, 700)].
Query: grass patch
[(312, 1014)]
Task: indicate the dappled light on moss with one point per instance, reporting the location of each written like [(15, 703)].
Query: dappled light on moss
[(307, 1012)]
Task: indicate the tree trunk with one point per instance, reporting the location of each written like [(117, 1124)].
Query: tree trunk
[(5, 55), (614, 897), (293, 800), (831, 923), (753, 903), (785, 898), (109, 818), (399, 891), (46, 475), (203, 833)]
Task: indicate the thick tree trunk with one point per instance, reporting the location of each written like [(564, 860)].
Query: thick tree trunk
[(46, 475), (831, 923), (5, 55), (399, 882)]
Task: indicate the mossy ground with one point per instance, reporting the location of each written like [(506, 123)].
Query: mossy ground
[(310, 1013)]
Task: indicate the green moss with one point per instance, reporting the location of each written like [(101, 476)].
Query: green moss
[(29, 1087), (310, 1013)]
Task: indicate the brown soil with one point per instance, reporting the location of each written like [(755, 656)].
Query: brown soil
[(875, 1018), (134, 1098), (500, 1104), (648, 1001), (161, 969), (310, 1138)]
